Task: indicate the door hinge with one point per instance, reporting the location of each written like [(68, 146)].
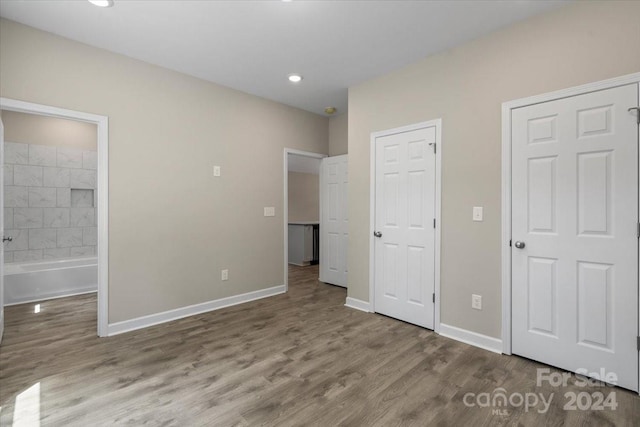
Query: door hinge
[(434, 147), (638, 231), (638, 344), (434, 300), (510, 243), (637, 110), (434, 223)]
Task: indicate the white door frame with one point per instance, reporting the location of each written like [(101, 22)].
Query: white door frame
[(372, 209), (506, 182), (102, 123), (285, 207)]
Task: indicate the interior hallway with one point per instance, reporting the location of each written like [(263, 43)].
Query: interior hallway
[(296, 359)]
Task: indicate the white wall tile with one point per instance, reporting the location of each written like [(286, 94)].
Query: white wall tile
[(82, 217), (30, 176), (55, 253), (8, 218), (42, 238), (63, 197), (16, 197), (27, 217), (69, 237), (8, 174), (56, 217), (42, 197), (90, 236), (69, 158), (83, 251), (82, 178), (20, 240), (90, 160), (8, 257), (15, 153), (55, 177), (42, 155), (30, 255)]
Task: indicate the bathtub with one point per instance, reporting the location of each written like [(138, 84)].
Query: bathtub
[(35, 281)]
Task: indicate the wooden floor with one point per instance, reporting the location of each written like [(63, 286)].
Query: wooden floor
[(297, 359)]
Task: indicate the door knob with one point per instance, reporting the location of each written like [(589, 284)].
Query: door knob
[(377, 234), (7, 239), (520, 245)]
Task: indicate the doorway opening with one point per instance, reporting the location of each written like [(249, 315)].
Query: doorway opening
[(55, 207), (302, 207)]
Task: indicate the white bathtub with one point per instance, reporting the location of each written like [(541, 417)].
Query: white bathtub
[(35, 281)]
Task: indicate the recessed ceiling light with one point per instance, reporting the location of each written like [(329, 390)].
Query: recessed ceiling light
[(102, 3), (295, 78)]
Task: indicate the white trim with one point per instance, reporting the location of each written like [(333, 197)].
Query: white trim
[(285, 207), (472, 338), (102, 123), (358, 304), (438, 208), (191, 310), (506, 181)]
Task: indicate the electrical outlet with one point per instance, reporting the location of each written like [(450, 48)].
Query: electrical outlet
[(224, 274), (269, 211), (478, 214), (217, 171), (476, 302)]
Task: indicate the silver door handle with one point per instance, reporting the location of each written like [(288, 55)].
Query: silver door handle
[(377, 234), (7, 239), (520, 245)]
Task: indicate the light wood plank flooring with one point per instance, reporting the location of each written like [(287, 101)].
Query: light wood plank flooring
[(297, 359)]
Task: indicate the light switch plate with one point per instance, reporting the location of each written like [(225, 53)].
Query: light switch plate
[(478, 214), (476, 302), (216, 171), (224, 274), (269, 211)]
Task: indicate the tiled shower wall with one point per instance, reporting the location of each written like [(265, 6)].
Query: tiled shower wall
[(49, 199)]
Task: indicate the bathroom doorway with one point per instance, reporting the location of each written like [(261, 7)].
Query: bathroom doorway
[(55, 206)]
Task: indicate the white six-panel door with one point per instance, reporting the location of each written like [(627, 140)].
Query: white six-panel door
[(404, 249), (334, 220), (575, 246)]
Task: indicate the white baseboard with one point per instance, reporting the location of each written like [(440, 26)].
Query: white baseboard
[(358, 304), (179, 313), (471, 338)]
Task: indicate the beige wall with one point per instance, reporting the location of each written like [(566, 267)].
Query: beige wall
[(304, 197), (173, 226), (580, 43), (43, 130), (338, 135)]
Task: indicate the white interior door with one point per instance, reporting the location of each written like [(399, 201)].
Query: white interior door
[(334, 221), (1, 228), (404, 248), (575, 210)]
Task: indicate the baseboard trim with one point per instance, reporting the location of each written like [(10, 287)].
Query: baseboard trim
[(358, 304), (472, 338), (191, 310)]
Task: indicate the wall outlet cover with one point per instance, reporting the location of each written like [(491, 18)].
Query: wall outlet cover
[(224, 274), (216, 171), (269, 211)]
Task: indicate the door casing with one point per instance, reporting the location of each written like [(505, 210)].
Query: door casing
[(506, 182), (372, 208), (102, 124)]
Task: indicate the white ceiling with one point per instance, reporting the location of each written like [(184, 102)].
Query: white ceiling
[(254, 45), (303, 164)]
